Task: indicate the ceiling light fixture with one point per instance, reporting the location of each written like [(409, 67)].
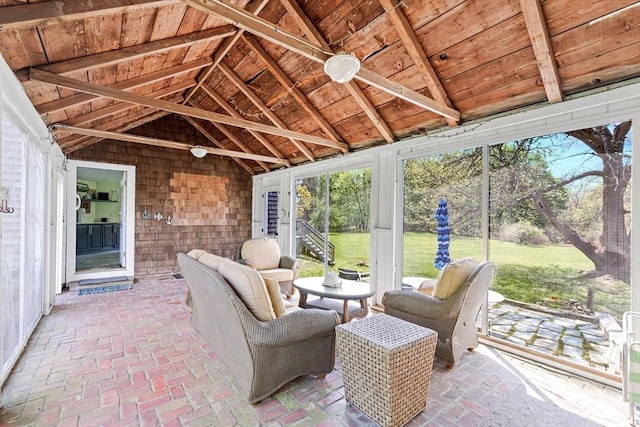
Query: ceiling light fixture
[(198, 151), (342, 67)]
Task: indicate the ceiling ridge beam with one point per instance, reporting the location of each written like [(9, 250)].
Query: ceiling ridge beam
[(55, 12), (542, 48), (163, 143), (255, 100), (112, 57), (416, 51), (291, 87), (133, 98), (214, 141), (254, 8), (273, 33), (82, 98)]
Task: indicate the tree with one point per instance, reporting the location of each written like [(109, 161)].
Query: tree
[(611, 255)]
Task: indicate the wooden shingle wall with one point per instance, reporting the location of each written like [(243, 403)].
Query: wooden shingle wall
[(208, 199)]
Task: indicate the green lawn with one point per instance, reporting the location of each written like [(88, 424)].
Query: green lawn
[(549, 275)]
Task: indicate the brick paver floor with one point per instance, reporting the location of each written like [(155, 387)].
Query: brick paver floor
[(129, 358)]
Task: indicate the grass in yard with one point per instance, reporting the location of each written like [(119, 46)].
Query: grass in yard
[(549, 275)]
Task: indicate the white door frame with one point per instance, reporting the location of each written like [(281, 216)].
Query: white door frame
[(129, 172)]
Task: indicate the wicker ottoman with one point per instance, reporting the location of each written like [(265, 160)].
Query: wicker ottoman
[(386, 367)]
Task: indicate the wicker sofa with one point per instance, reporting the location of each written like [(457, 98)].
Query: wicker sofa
[(263, 353)]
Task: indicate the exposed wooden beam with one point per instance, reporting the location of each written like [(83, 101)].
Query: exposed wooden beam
[(122, 106), (55, 12), (74, 84), (121, 125), (162, 143), (539, 35), (233, 113), (273, 33), (210, 137), (290, 86), (226, 132), (129, 53), (81, 98), (417, 53), (312, 33), (255, 8), (255, 100)]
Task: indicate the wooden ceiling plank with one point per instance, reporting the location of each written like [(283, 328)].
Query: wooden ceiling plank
[(225, 46), (163, 143), (541, 42), (312, 33), (122, 106), (55, 12), (215, 142), (273, 33), (416, 51), (290, 86), (73, 84), (233, 113), (255, 100), (128, 53)]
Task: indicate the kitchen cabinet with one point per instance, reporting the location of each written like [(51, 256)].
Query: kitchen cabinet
[(95, 237)]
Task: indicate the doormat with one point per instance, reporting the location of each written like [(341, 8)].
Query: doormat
[(100, 289)]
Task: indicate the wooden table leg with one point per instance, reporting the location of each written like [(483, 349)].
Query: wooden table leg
[(345, 311)]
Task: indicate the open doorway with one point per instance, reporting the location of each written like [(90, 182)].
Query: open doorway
[(100, 222)]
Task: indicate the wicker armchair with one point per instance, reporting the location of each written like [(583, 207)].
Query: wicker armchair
[(263, 254), (262, 355), (453, 318)]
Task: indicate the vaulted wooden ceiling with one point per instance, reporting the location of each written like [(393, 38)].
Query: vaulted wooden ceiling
[(249, 75)]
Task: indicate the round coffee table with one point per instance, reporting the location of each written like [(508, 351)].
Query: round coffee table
[(350, 290)]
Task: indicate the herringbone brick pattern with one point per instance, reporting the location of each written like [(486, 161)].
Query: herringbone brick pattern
[(129, 358)]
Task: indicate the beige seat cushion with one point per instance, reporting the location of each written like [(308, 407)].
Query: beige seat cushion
[(453, 276), (263, 253), (211, 260), (278, 274), (276, 297), (250, 287), (196, 253)]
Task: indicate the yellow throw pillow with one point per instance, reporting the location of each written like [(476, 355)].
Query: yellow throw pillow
[(276, 297), (250, 287), (196, 253), (211, 260), (427, 286), (453, 276)]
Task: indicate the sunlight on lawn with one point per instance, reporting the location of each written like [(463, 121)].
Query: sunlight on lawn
[(548, 275)]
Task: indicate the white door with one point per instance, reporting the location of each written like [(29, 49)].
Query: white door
[(123, 220)]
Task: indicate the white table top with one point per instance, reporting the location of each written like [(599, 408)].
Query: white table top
[(349, 289)]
